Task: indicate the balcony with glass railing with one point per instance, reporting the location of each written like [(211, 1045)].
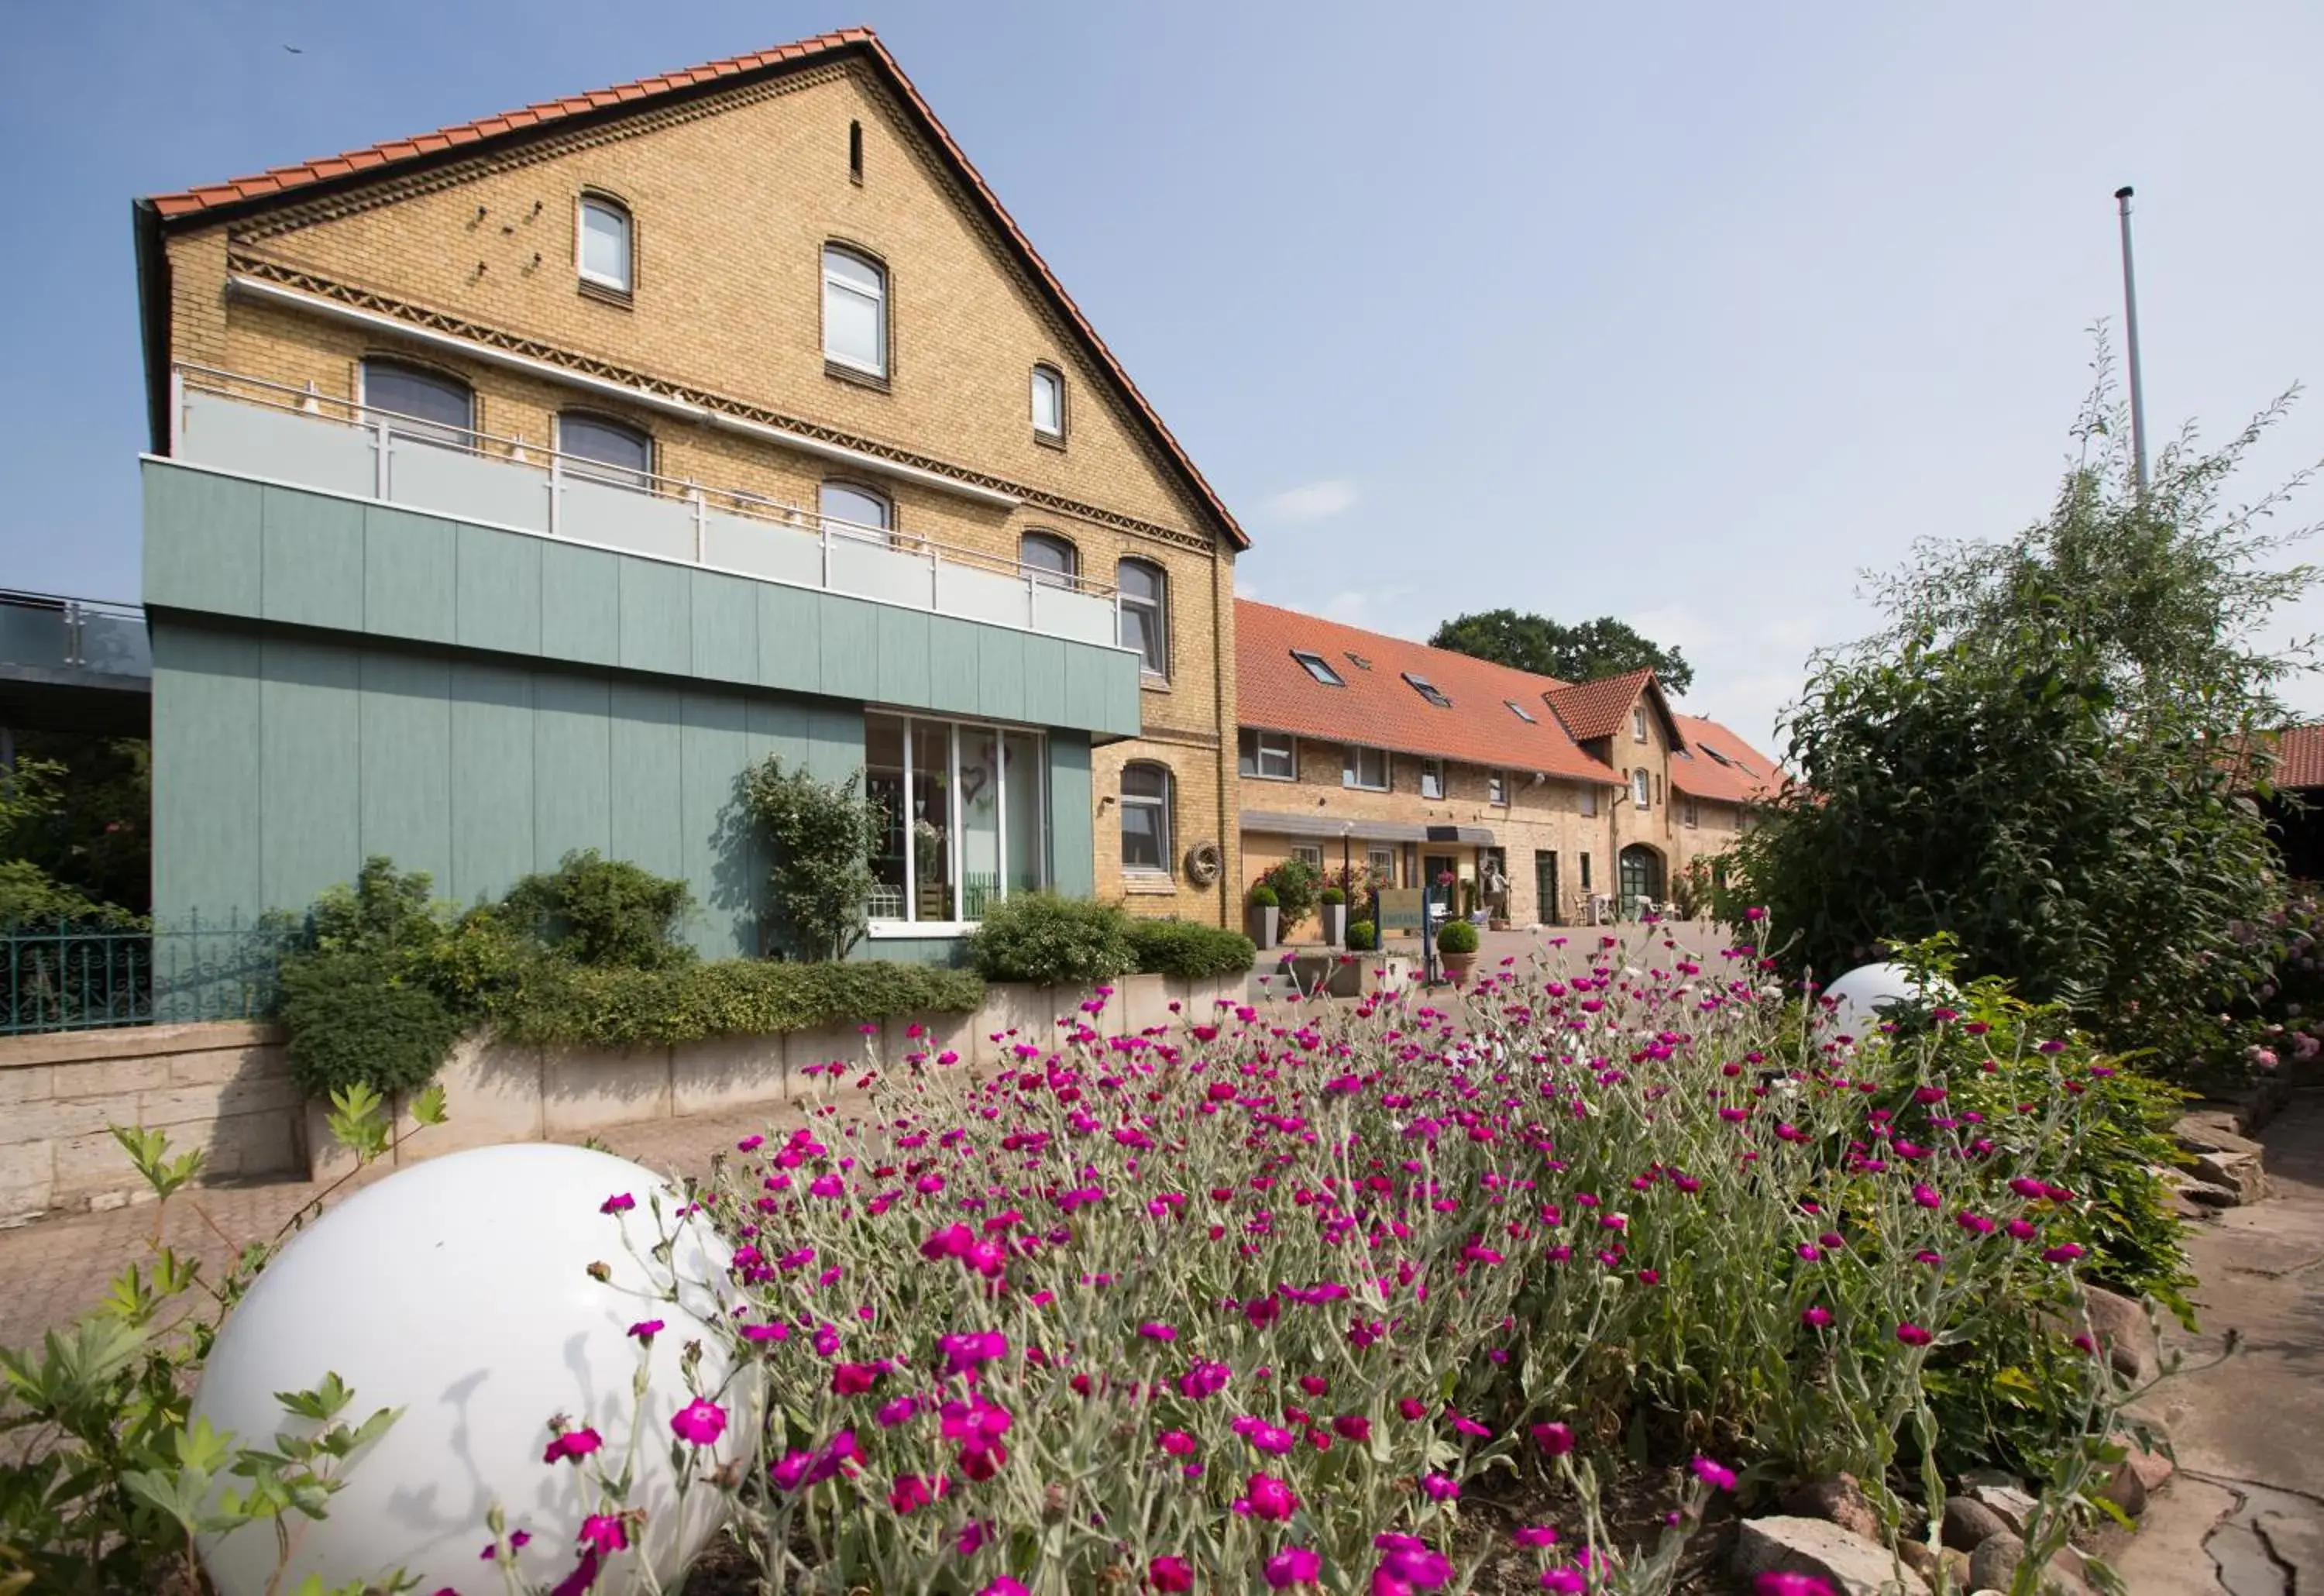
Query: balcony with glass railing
[(269, 432)]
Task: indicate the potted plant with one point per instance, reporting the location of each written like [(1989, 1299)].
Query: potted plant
[(1362, 936), (1266, 915), (1335, 917), (1456, 948)]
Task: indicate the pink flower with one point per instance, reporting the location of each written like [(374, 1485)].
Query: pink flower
[(1556, 1440), (1170, 1573), (1177, 1443), (1565, 1581), (1816, 1316), (1533, 1534), (1926, 1195), (1790, 1584), (603, 1532), (516, 1538), (852, 1380), (1292, 1565), (620, 1202), (1266, 1496), (910, 1493), (645, 1330), (1352, 1427), (1154, 1332), (2064, 1253), (895, 1411), (699, 1423), (1913, 1335), (576, 1445), (1718, 1476), (1441, 1488), (1004, 1586)]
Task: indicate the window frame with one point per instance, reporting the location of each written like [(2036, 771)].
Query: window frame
[(1429, 691), (1070, 579), (1690, 809), (1374, 853), (417, 428), (840, 526), (1433, 773), (955, 810), (1313, 853), (1639, 790), (1589, 800), (1637, 723), (1252, 748), (1497, 789), (579, 467), (882, 309), (1056, 377), (625, 287), (1166, 826), (1351, 768), (1318, 669), (1521, 711), (1160, 606)]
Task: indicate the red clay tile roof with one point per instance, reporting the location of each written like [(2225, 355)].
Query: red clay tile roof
[(1737, 773), (1379, 708), (2300, 756), (1592, 710), (283, 182)]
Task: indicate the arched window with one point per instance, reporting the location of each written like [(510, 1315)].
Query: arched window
[(1049, 403), (1145, 819), (606, 259), (428, 406), (855, 310), (600, 449), (1146, 613), (1052, 560), (852, 512)]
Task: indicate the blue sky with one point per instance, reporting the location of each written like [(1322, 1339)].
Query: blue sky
[(1683, 314)]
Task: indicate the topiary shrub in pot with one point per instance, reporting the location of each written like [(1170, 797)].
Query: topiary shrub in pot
[(1266, 915), (1456, 947), (1334, 909), (1363, 937)]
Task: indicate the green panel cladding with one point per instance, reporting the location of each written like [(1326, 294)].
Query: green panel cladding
[(1073, 857)]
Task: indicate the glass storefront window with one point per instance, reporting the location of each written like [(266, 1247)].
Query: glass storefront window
[(967, 817)]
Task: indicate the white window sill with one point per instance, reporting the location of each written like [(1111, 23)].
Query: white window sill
[(1148, 881), (897, 931)]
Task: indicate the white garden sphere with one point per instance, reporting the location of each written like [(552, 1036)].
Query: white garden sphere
[(458, 1291), (1863, 993)]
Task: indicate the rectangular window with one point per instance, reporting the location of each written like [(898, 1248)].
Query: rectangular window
[(1379, 858), (1519, 710), (1585, 872), (1313, 853), (1269, 756), (1688, 811), (967, 818), (1638, 788), (855, 311), (1364, 768), (605, 244), (1319, 668), (1638, 722), (1588, 798), (1428, 691), (1497, 787), (1432, 778)]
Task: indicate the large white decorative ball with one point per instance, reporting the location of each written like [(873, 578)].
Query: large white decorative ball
[(1863, 993), (458, 1291)]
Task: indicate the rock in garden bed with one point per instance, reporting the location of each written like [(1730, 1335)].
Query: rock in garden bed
[(1850, 1564)]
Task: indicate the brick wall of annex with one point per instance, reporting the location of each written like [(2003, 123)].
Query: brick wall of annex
[(731, 202)]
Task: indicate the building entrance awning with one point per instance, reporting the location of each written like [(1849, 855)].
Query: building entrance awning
[(1480, 836), (1290, 824)]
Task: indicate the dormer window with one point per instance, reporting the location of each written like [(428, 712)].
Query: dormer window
[(1427, 689), (605, 250), (1316, 666)]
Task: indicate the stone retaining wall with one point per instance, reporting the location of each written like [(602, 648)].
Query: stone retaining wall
[(224, 1089)]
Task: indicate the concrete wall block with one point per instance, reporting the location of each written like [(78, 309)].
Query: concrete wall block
[(213, 1066), (27, 1178), (28, 1083), (1140, 1002), (586, 1088), (85, 1164), (261, 1144), (182, 1105), (110, 1077), (724, 1073), (327, 1159), (43, 1121), (1015, 1011), (939, 1033), (492, 1094), (845, 1043)]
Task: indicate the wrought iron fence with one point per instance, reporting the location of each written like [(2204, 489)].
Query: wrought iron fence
[(75, 975)]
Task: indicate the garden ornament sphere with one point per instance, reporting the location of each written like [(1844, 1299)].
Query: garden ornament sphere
[(1863, 993), (460, 1291)]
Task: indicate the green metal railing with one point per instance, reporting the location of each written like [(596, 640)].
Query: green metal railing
[(74, 975)]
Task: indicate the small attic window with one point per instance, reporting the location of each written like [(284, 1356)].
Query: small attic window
[(1319, 668), (1519, 710), (1427, 689), (856, 151), (1359, 662)]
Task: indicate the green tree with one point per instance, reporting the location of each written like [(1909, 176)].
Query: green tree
[(74, 824), (823, 835), (1585, 652), (2042, 752)]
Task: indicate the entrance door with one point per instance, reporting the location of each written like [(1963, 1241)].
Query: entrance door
[(1432, 865), (1545, 887), (1641, 877)]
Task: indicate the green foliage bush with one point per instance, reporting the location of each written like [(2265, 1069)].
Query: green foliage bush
[(1188, 951), (603, 912), (1333, 896), (1297, 884), (1263, 896), (822, 836), (1456, 936), (1058, 941), (615, 1007), (1363, 937), (355, 1018)]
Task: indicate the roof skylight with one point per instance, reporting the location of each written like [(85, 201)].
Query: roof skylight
[(1427, 689), (1319, 668), (1519, 710)]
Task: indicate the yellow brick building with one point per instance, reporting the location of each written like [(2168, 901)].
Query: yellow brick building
[(768, 292)]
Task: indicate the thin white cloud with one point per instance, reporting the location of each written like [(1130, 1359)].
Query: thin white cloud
[(1314, 501), (1676, 626), (1243, 587)]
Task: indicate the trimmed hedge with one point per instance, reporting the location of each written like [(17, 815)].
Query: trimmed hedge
[(1188, 951), (564, 1003), (354, 1020), (1040, 936)]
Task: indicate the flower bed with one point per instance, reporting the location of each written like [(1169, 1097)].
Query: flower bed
[(1162, 1309)]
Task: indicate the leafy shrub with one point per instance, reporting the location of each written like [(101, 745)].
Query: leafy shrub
[(1363, 937), (355, 1020), (1056, 941), (561, 1003), (1263, 896), (603, 912), (1456, 936), (1333, 896), (1297, 883), (823, 836), (1188, 951)]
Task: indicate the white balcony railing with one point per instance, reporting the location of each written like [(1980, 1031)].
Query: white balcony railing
[(253, 428)]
